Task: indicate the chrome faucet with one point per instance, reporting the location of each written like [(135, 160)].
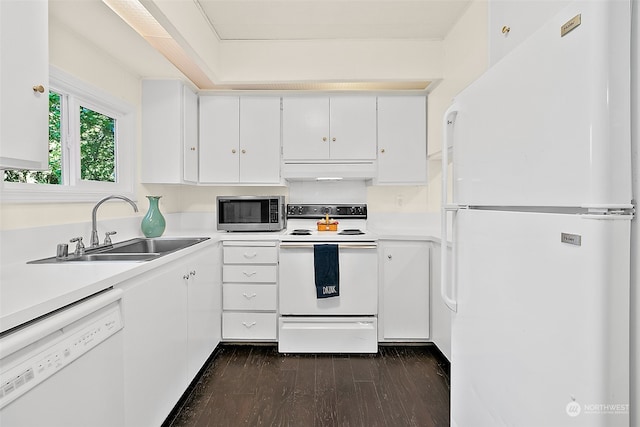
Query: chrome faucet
[(95, 241)]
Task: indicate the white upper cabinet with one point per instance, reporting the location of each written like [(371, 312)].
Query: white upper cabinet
[(402, 140), (24, 84), (239, 140), (512, 21), (169, 132), (329, 128), (219, 136), (260, 140)]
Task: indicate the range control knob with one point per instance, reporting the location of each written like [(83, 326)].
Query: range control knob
[(325, 210)]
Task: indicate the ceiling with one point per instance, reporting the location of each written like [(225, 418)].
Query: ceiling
[(331, 19), (260, 21)]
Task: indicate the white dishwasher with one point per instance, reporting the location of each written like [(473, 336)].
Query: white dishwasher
[(65, 369)]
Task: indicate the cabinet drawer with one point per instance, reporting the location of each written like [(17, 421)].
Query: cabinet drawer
[(250, 273), (249, 326), (250, 255), (248, 297)]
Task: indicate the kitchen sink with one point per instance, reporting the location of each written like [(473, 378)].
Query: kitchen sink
[(152, 246), (133, 250)]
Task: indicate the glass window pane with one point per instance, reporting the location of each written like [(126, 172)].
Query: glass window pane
[(97, 146), (54, 174)]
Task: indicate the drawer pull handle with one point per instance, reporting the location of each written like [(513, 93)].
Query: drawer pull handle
[(247, 296), (250, 255), (249, 273), (248, 325)]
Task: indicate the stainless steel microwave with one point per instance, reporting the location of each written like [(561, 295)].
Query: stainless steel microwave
[(251, 213)]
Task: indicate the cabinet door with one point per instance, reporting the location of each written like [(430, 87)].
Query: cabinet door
[(402, 140), (405, 291), (353, 128), (162, 134), (305, 128), (204, 307), (155, 345), (260, 140), (24, 111), (219, 139), (190, 132)]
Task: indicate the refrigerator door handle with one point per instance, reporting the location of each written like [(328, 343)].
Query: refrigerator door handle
[(449, 299)]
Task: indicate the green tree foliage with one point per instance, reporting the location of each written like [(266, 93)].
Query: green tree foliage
[(54, 174), (97, 146)]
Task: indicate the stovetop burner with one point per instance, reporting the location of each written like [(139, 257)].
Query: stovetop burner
[(351, 231), (301, 232)]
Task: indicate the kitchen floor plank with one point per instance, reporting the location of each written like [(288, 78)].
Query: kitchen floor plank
[(247, 385)]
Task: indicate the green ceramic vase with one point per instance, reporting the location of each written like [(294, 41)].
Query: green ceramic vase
[(153, 223)]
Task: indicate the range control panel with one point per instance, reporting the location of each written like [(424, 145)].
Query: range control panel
[(312, 211)]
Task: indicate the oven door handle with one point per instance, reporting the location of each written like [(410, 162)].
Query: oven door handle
[(297, 245)]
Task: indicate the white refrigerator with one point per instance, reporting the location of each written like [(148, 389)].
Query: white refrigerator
[(539, 214)]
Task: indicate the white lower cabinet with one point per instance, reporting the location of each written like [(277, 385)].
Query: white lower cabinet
[(404, 291), (171, 328), (249, 301), (440, 313)]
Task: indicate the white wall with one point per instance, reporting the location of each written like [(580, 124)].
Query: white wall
[(465, 59)]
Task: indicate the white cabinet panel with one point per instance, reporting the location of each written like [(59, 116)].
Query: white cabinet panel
[(24, 43), (172, 325), (305, 128), (240, 140), (249, 326), (249, 273), (219, 136), (402, 140), (169, 132), (329, 128), (353, 128), (259, 140), (405, 291), (250, 255), (249, 297), (204, 307), (155, 346)]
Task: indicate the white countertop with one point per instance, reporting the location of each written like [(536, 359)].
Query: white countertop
[(31, 290), (28, 291)]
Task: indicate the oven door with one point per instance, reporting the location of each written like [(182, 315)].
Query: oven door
[(358, 263)]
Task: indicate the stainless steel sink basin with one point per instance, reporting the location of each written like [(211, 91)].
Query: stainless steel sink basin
[(134, 250), (113, 257), (157, 246)]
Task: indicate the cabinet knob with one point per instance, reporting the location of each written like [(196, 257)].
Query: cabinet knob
[(390, 257), (382, 150), (38, 88), (244, 151), (193, 148), (505, 30), (192, 273), (333, 139), (233, 151), (324, 138), (185, 277)]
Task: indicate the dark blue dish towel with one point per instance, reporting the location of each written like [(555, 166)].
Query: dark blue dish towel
[(327, 270)]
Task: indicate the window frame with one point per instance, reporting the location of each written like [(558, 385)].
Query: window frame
[(74, 189)]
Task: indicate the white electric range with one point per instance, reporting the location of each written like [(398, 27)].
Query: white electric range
[(344, 323)]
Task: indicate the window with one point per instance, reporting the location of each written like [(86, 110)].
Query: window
[(91, 148)]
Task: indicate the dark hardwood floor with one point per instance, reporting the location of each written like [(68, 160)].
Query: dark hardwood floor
[(246, 385)]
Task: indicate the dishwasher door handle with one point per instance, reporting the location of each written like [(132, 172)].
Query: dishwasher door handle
[(310, 245)]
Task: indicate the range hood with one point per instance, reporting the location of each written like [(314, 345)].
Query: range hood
[(328, 171)]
